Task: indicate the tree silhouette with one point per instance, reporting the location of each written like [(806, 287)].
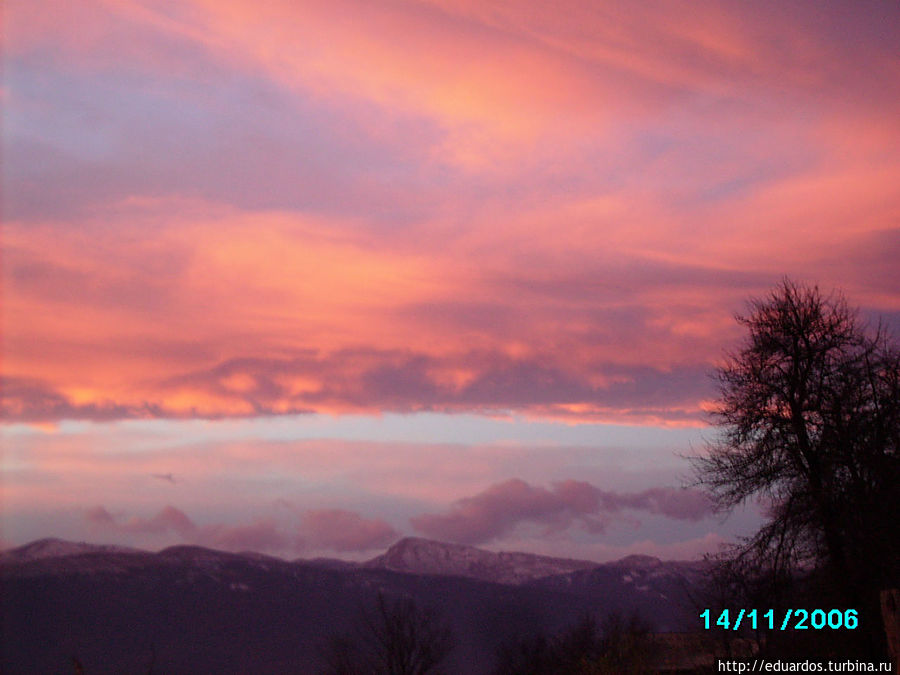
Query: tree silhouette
[(617, 645), (809, 416), (395, 637)]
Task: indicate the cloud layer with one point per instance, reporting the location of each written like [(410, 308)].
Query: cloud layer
[(226, 209), (327, 529), (491, 515)]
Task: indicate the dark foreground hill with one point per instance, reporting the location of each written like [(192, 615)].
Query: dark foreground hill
[(194, 610)]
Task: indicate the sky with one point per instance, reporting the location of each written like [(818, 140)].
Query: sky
[(307, 277)]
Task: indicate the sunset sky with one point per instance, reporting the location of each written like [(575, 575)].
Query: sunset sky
[(306, 277)]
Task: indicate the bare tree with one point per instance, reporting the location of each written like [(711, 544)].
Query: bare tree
[(809, 416), (395, 637)]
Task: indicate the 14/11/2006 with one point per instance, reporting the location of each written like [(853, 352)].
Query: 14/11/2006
[(794, 619)]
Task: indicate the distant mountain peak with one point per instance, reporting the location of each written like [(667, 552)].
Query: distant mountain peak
[(425, 556), (420, 545), (284, 609)]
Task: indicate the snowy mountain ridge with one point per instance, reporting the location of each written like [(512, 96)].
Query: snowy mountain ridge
[(410, 555), (424, 556), (57, 548)]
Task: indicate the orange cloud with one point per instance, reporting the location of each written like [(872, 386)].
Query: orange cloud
[(241, 314), (234, 209)]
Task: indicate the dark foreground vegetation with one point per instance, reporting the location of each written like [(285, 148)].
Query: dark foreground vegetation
[(809, 422), (190, 610)]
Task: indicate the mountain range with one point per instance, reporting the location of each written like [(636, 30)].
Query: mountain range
[(188, 609)]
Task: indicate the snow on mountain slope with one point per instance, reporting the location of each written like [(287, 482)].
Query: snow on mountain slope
[(57, 548), (411, 555)]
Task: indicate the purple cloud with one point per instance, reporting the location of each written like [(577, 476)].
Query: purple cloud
[(169, 519), (31, 400), (671, 502), (262, 535), (344, 531), (498, 510), (503, 506), (99, 516), (333, 529)]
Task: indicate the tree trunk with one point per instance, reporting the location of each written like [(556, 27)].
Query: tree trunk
[(890, 613)]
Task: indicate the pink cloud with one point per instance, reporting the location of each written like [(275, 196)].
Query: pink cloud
[(316, 530), (169, 519), (99, 516), (441, 205), (681, 504), (344, 531), (626, 341), (262, 535), (498, 510)]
